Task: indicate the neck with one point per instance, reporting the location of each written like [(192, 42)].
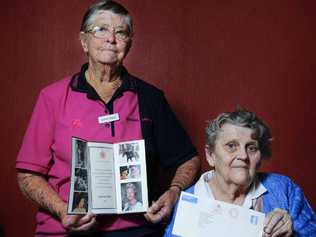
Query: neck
[(133, 202), (104, 72), (105, 80), (227, 192)]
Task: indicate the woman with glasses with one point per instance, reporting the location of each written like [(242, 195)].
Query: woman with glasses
[(102, 103)]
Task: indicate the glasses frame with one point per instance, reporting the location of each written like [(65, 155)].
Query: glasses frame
[(112, 31)]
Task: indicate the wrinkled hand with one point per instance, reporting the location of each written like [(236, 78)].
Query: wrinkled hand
[(75, 223), (278, 223), (161, 209)]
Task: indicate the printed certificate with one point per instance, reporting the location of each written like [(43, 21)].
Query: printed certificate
[(200, 217)]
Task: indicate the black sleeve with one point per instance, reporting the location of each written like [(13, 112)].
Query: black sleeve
[(174, 146), (166, 140)]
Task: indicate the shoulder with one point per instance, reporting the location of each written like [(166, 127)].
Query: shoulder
[(277, 182), (145, 87), (57, 87), (53, 95), (280, 188), (274, 179), (56, 90)]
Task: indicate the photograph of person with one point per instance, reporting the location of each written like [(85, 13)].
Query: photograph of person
[(80, 156), (236, 144), (134, 171), (124, 172), (80, 204), (129, 152), (131, 197), (81, 180)]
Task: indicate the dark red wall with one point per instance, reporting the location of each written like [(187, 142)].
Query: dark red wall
[(207, 56)]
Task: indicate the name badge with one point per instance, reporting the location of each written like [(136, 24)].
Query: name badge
[(108, 118)]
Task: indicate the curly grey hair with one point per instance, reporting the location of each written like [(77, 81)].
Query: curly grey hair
[(105, 5), (244, 118)]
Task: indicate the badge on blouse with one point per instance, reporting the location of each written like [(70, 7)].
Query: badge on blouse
[(108, 118)]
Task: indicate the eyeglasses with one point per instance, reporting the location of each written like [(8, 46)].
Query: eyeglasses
[(103, 32)]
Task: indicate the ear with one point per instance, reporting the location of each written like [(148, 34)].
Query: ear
[(210, 156), (83, 41)]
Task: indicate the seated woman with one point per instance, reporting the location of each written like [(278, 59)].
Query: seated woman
[(236, 144)]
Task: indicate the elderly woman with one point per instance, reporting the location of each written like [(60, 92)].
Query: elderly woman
[(132, 204), (102, 103), (237, 143)]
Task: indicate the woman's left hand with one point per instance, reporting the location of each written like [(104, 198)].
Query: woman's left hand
[(161, 209), (79, 223), (278, 223)]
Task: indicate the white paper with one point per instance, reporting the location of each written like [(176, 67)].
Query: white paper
[(103, 192), (200, 217)]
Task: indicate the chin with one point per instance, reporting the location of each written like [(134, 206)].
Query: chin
[(108, 61), (243, 180)]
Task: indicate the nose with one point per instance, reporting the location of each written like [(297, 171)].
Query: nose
[(110, 37), (243, 155)]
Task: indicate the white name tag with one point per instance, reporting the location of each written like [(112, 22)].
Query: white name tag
[(108, 118)]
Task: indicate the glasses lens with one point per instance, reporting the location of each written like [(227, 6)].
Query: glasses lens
[(121, 35), (103, 32)]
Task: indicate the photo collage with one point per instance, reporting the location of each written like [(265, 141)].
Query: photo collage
[(80, 195), (130, 177)]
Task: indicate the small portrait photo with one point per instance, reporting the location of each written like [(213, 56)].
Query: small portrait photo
[(134, 171), (80, 155), (124, 172), (131, 196), (81, 180), (80, 202), (129, 152)]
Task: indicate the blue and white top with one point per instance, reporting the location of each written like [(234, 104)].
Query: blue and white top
[(276, 191)]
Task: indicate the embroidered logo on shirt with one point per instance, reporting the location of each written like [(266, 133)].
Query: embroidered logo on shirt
[(76, 123)]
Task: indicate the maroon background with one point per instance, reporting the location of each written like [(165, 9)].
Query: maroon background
[(207, 56)]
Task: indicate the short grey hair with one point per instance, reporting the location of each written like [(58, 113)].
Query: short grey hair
[(244, 118), (131, 186), (105, 5)]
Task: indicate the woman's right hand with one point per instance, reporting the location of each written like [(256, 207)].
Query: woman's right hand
[(278, 223), (76, 223)]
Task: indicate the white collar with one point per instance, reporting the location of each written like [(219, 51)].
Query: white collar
[(202, 189)]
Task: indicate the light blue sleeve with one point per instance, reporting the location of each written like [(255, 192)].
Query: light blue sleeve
[(285, 194), (302, 214)]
